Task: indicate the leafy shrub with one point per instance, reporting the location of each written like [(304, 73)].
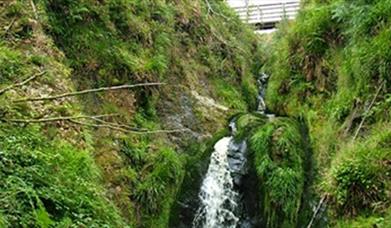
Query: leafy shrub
[(50, 183), (11, 64), (361, 176), (165, 173), (278, 153)]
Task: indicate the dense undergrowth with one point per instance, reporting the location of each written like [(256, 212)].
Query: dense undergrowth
[(65, 174), (277, 148), (331, 68)]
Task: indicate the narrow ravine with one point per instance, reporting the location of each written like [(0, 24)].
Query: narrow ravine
[(221, 202)]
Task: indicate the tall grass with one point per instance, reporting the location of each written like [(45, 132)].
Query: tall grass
[(328, 67)]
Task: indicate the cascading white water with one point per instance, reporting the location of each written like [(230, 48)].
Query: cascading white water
[(218, 198)]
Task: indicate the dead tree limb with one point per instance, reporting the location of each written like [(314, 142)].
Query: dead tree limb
[(114, 126), (56, 119), (104, 124), (34, 9), (316, 212), (10, 26), (119, 125), (367, 111), (20, 84), (78, 93), (210, 9)]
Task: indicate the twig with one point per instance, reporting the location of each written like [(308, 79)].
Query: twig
[(21, 83), (34, 9), (119, 125), (77, 93), (55, 119), (116, 127), (320, 204), (10, 25), (367, 111), (210, 9), (110, 125)]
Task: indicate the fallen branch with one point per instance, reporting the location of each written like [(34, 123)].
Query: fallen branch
[(10, 26), (20, 84), (78, 93), (34, 9), (55, 119), (367, 111), (320, 204), (114, 126), (210, 9), (105, 124), (119, 125)]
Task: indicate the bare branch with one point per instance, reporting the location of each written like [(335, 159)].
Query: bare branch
[(322, 201), (367, 111), (119, 125), (210, 9), (55, 119), (104, 124), (34, 9), (114, 126), (78, 93), (10, 25), (20, 84)]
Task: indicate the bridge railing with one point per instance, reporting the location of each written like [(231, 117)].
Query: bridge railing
[(268, 12)]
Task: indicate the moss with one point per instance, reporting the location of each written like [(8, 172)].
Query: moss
[(11, 63), (278, 151), (248, 123), (230, 96)]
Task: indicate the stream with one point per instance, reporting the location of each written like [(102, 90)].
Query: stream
[(223, 191)]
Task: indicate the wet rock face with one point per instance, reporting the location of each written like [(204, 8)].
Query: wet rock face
[(237, 160), (245, 184)]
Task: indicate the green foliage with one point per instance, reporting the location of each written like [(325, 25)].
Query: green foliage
[(247, 123), (166, 172), (360, 176), (278, 153), (366, 222), (50, 183), (327, 67), (156, 177), (151, 40), (230, 96), (108, 43), (11, 64)]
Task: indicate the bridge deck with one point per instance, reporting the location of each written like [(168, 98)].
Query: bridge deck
[(265, 13)]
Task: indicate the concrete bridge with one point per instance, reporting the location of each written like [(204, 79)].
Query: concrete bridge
[(265, 14)]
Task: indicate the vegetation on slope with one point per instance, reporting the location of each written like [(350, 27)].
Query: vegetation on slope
[(331, 68), (50, 183), (276, 145), (120, 178)]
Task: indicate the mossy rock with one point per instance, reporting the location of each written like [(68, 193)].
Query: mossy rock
[(277, 148)]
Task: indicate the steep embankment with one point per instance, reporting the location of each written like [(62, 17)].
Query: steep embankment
[(109, 171), (331, 68)]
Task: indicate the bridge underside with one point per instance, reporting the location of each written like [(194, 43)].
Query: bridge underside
[(265, 26), (266, 14)]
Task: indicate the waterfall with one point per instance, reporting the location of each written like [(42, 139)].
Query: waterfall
[(262, 81), (221, 202), (217, 195)]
